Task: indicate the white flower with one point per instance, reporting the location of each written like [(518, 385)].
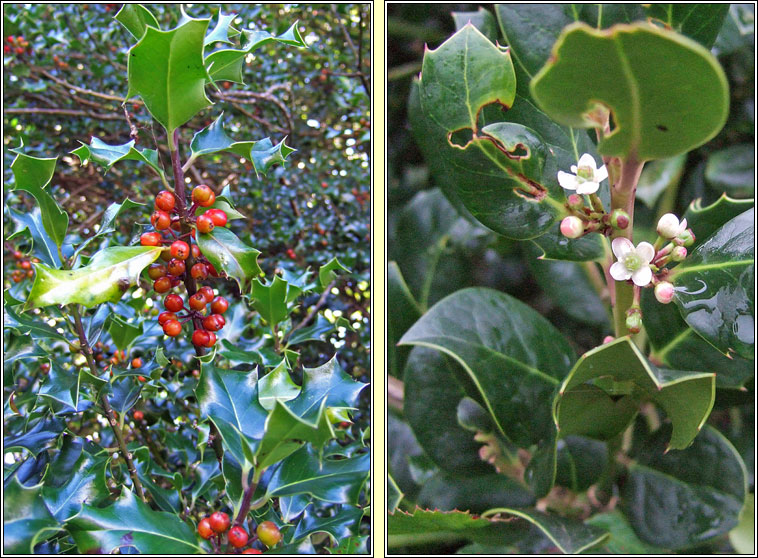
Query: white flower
[(586, 178), (632, 262), (669, 226)]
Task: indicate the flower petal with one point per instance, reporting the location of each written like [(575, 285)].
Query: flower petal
[(646, 251), (601, 174), (642, 276), (567, 180), (588, 160), (683, 226), (619, 272), (587, 188), (573, 169), (621, 247)]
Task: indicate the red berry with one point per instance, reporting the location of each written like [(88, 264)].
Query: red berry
[(139, 415), (163, 317), (150, 239), (197, 302), (7, 49), (180, 250), (173, 303), (10, 39), (204, 528), (166, 255), (212, 270), (19, 50), (218, 216), (160, 220), (137, 362), (237, 536), (211, 340), (162, 285), (196, 251), (200, 337), (25, 264), (176, 267), (141, 378), (219, 305), (268, 533), (199, 271), (44, 367), (252, 551), (172, 328), (207, 293), (219, 522), (291, 254), (324, 185), (214, 322), (165, 200), (175, 280), (156, 271), (17, 255), (176, 225), (201, 193), (204, 224)]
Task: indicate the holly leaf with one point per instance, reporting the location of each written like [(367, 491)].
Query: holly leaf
[(62, 386), (26, 519), (342, 525), (109, 274), (166, 70), (275, 386), (107, 155), (326, 273), (30, 224), (220, 33), (229, 254), (31, 175), (270, 300), (131, 523), (136, 18), (704, 221), (667, 101)]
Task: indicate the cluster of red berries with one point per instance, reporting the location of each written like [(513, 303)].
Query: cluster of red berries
[(218, 523), (166, 277), (16, 44), (24, 268)]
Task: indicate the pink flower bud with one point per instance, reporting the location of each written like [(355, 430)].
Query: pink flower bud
[(669, 226), (575, 201), (572, 227), (678, 253), (608, 339), (664, 292)]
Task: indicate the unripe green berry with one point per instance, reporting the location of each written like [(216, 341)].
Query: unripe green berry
[(678, 253), (687, 238), (634, 320), (575, 201), (619, 219)]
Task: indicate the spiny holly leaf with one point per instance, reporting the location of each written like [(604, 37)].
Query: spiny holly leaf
[(25, 325), (73, 479), (26, 519), (166, 69), (326, 273), (131, 523), (135, 18), (667, 94), (30, 224), (31, 175), (262, 154), (108, 155), (602, 394), (220, 33), (337, 481), (106, 278), (62, 386), (229, 254), (715, 290), (270, 300), (122, 332), (226, 64), (37, 436), (344, 524), (277, 385), (704, 221), (224, 204)]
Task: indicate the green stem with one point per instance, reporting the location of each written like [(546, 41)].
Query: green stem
[(622, 197)]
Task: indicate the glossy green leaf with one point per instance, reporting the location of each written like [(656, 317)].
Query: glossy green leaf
[(108, 155), (84, 482), (676, 345), (131, 523), (109, 274), (337, 481), (229, 254), (270, 300), (555, 246), (623, 539), (569, 535), (482, 19), (26, 519), (314, 332), (124, 393), (276, 386), (352, 545), (26, 325), (30, 224), (394, 495), (732, 170), (327, 272), (62, 386), (667, 93), (659, 176), (700, 22), (36, 437), (405, 312), (472, 492), (601, 395), (122, 332), (344, 524), (167, 498), (581, 461), (715, 287), (681, 498), (166, 70), (222, 30), (433, 387), (135, 18), (513, 356), (742, 537), (31, 175), (224, 205), (704, 221), (21, 347)]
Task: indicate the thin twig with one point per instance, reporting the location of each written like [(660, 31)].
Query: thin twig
[(62, 112), (356, 52)]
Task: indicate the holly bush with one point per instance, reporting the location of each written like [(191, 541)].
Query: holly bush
[(186, 312), (571, 236)]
